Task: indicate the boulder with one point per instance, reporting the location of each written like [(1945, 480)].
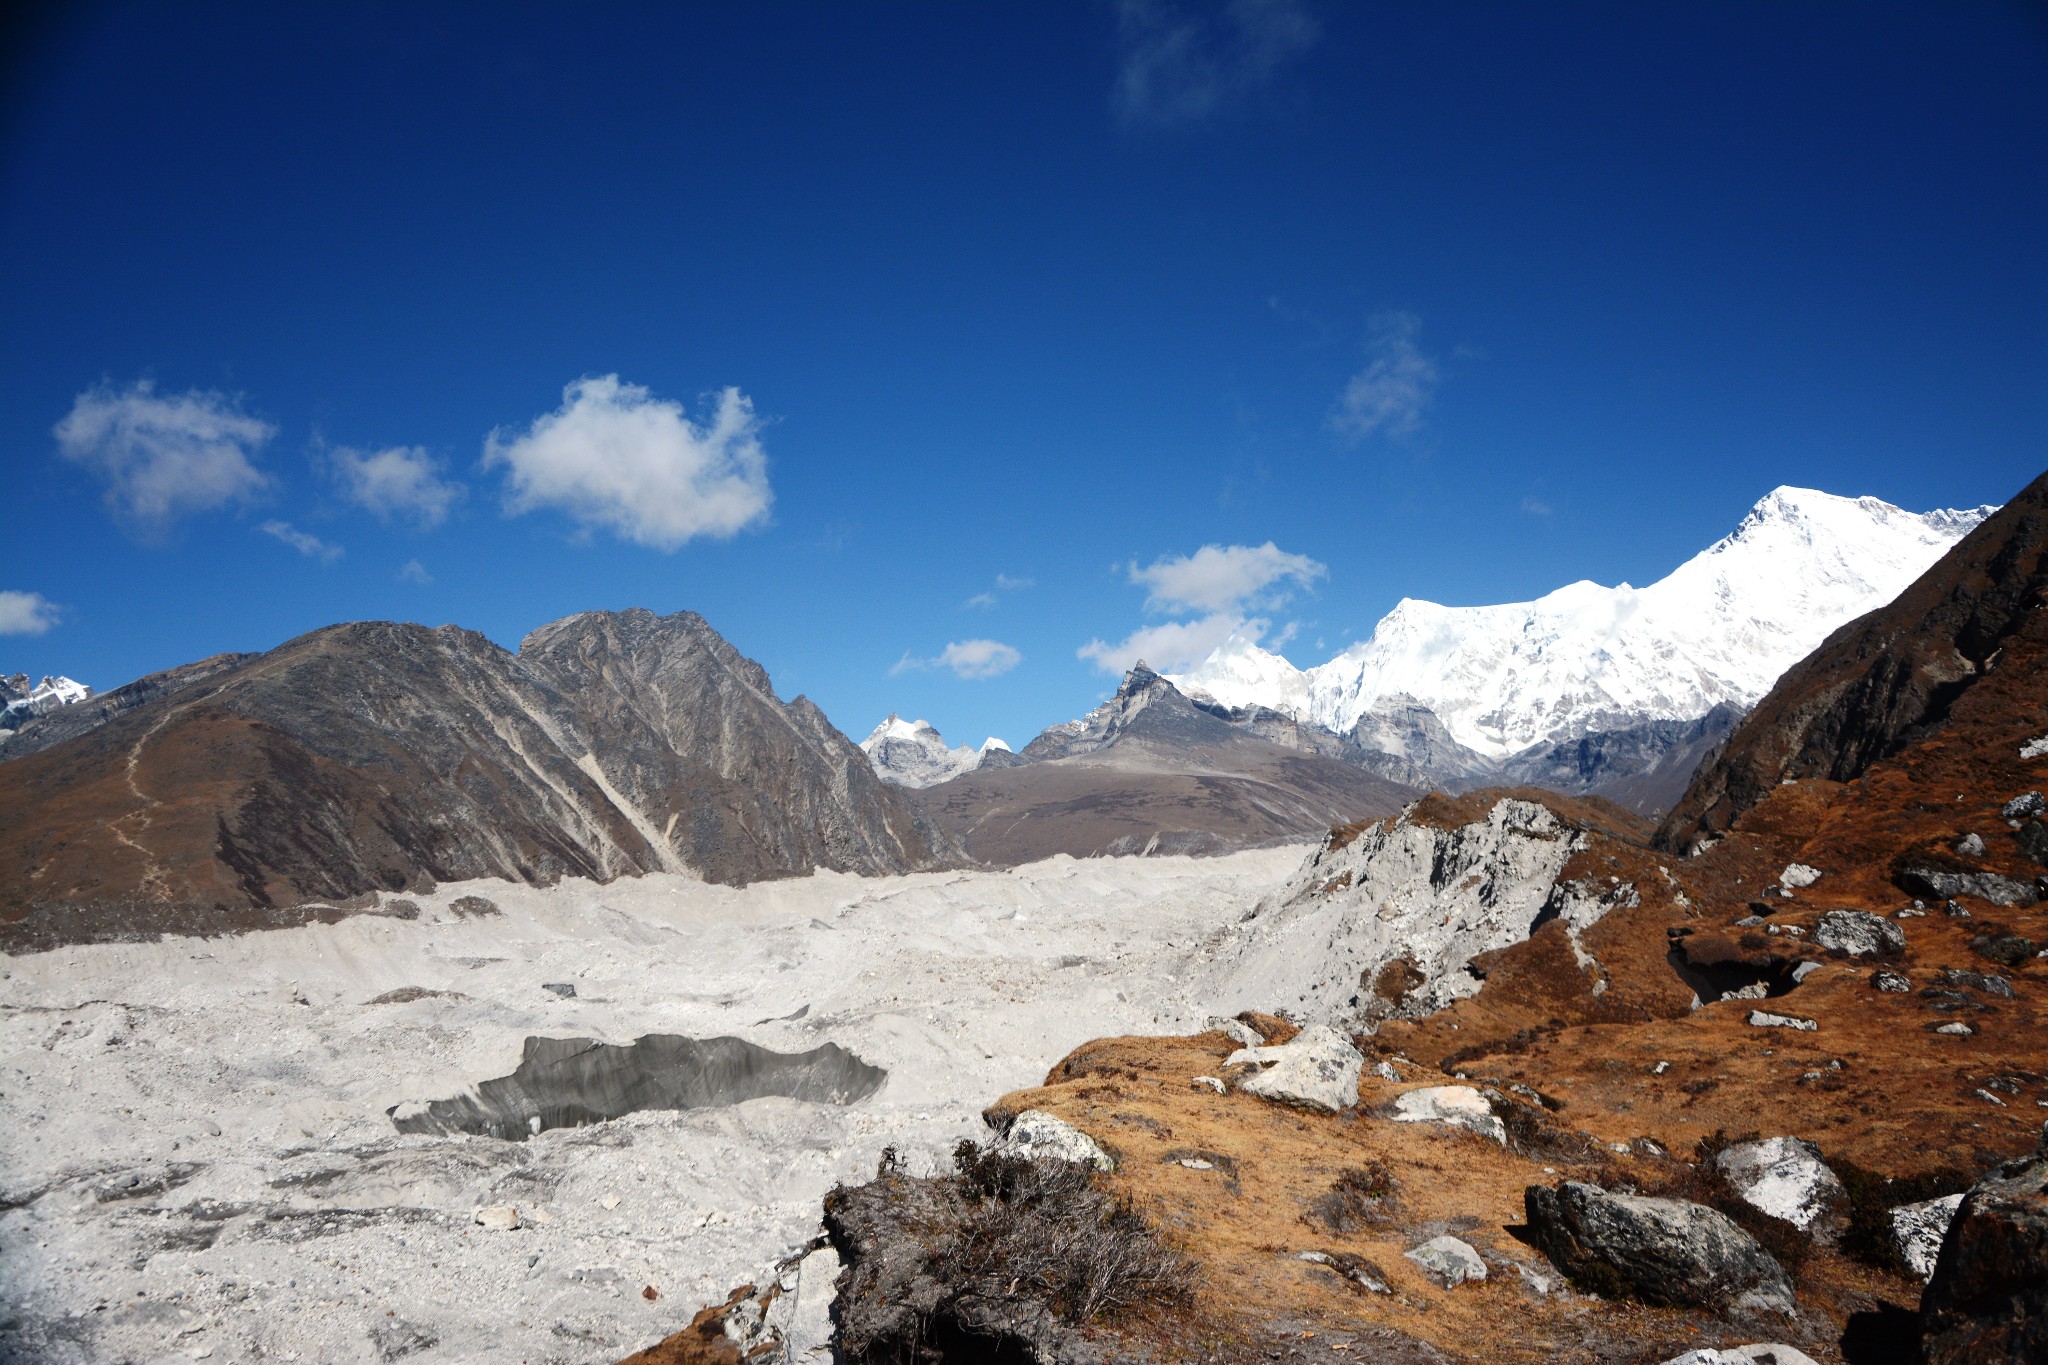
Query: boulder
[(1769, 1353), (1859, 933), (1943, 884), (1970, 845), (1988, 1299), (1917, 1230), (1765, 1019), (1459, 1106), (1317, 1069), (497, 1217), (1661, 1251), (1798, 875), (1452, 1262), (1891, 983), (1785, 1178), (2026, 805), (1042, 1136)]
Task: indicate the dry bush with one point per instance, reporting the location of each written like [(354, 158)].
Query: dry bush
[(1048, 1228), (1359, 1197)]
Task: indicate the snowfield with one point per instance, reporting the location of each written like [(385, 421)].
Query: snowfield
[(197, 1161)]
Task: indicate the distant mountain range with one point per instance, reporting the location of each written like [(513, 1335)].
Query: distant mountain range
[(1618, 692), (22, 701), (910, 753)]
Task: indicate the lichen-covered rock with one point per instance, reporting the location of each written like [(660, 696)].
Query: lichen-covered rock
[(1316, 1069), (1988, 1299), (1037, 1134), (1917, 1230), (1452, 1262), (1785, 1178), (1661, 1251), (1944, 884), (1767, 1353), (1459, 1106), (1859, 933)]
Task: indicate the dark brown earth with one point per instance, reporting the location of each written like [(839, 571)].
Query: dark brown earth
[(379, 757)]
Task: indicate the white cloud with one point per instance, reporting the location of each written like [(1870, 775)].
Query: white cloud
[(402, 481), (1223, 578), (966, 658), (311, 546), (26, 613), (1536, 507), (412, 571), (984, 600), (1180, 66), (1172, 646), (1393, 391), (162, 458), (615, 456), (1005, 583)]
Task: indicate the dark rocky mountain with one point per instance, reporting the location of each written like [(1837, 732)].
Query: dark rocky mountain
[(1149, 772), (1886, 679), (376, 756)]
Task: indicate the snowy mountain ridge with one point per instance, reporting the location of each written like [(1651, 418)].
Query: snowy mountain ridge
[(1587, 659), (21, 701), (911, 753)]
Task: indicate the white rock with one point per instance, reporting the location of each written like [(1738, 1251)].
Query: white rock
[(498, 1217), (1764, 1019), (1858, 932), (1917, 1230), (1449, 1259), (1771, 1353), (1798, 875), (1804, 970), (1783, 1177), (1459, 1106), (1385, 1071), (1214, 1083), (1037, 1134), (2035, 748), (1239, 1032), (610, 1201), (1317, 1069)]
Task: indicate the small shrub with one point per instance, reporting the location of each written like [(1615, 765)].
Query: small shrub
[(1360, 1196)]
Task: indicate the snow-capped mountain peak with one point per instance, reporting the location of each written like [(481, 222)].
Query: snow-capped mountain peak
[(21, 701), (1587, 658), (911, 753)]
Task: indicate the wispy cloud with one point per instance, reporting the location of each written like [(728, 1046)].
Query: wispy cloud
[(1172, 646), (966, 659), (311, 546), (984, 600), (1536, 507), (164, 457), (616, 457), (1224, 578), (398, 483), (1394, 390), (1220, 586), (1184, 62), (27, 613), (1005, 583), (412, 571)]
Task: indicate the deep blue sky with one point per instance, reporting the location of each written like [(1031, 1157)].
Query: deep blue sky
[(1027, 290)]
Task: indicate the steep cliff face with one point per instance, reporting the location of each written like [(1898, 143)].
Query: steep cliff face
[(376, 756), (1884, 680)]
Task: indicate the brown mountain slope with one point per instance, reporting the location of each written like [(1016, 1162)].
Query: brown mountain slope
[(376, 756), (1884, 679)]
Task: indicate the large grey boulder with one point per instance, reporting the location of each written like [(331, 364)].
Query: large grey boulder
[(1917, 1230), (1452, 1262), (1859, 933), (1458, 1106), (1042, 1136), (1785, 1178), (1988, 1299), (1317, 1069), (1661, 1251)]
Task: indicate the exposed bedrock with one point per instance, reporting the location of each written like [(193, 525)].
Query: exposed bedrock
[(1385, 922), (571, 1082)]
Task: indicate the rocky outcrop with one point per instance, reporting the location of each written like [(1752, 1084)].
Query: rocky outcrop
[(1382, 922), (1662, 1251), (1763, 1353), (1454, 1106), (1859, 933), (1883, 680), (1988, 1299), (378, 757), (1039, 1136), (1918, 1230), (1316, 1069)]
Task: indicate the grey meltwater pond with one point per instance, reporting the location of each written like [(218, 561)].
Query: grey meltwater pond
[(201, 1156), (575, 1082)]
